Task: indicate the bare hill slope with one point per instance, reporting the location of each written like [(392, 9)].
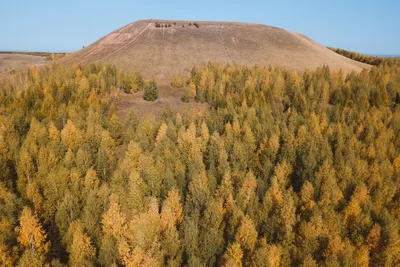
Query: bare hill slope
[(163, 48)]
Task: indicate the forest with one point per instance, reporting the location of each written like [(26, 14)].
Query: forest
[(280, 169), (371, 60)]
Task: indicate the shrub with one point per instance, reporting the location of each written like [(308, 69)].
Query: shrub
[(150, 91), (177, 81), (131, 82), (137, 82), (196, 25), (186, 96)]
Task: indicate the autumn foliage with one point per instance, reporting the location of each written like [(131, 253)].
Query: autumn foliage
[(281, 169)]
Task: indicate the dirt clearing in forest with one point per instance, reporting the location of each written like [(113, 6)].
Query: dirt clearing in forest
[(168, 96)]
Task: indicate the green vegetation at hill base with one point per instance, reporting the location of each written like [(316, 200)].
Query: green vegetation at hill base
[(372, 60), (283, 169)]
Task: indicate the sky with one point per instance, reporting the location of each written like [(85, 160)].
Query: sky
[(368, 27)]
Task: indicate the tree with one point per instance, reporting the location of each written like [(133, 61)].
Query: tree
[(82, 253), (31, 258), (114, 221), (177, 81), (150, 90), (108, 251), (32, 239), (71, 137), (94, 204), (267, 255), (9, 207), (247, 192), (211, 231), (115, 128), (142, 245), (131, 83), (137, 82), (247, 234), (198, 191), (161, 132), (30, 232), (84, 160), (233, 256), (171, 213), (171, 217), (7, 256), (309, 262), (190, 240), (84, 86), (330, 193), (114, 228)]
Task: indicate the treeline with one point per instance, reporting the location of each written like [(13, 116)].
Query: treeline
[(282, 169), (56, 56), (371, 60)]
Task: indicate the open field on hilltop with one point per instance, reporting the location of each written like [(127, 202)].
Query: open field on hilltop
[(18, 62)]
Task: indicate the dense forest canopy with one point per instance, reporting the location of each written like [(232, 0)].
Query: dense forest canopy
[(282, 169)]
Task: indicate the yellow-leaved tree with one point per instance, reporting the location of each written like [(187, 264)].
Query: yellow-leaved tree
[(81, 251), (31, 239), (71, 137)]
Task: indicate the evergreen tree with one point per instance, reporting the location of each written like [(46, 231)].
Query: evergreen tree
[(150, 90)]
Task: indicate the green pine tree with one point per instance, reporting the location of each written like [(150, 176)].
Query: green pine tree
[(150, 91)]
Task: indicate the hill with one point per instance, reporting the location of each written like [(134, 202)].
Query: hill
[(163, 48)]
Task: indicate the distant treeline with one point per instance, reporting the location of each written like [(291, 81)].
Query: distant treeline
[(372, 60), (49, 56), (167, 25)]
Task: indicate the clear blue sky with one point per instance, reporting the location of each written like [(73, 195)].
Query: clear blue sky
[(370, 27)]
